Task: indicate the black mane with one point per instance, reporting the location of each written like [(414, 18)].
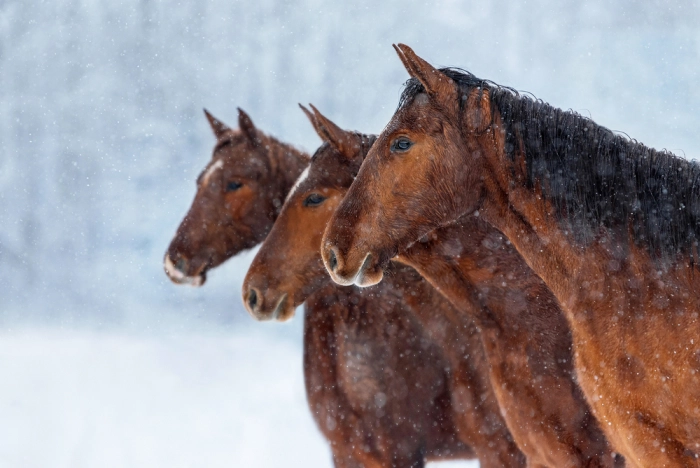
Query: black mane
[(596, 180)]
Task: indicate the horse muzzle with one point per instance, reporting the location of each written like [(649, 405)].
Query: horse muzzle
[(345, 273), (177, 272)]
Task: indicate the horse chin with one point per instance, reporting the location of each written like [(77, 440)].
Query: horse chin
[(341, 280)]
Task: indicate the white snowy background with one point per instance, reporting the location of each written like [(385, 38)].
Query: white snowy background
[(104, 362)]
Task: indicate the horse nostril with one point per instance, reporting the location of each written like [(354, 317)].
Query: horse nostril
[(181, 265), (252, 299), (333, 261)]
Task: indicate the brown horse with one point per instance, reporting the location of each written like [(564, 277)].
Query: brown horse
[(409, 375), (610, 225), (239, 195), (206, 239), (526, 338)]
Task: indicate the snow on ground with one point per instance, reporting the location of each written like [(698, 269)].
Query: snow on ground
[(109, 399)]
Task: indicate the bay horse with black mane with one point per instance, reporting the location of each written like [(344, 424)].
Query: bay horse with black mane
[(526, 338), (610, 225), (238, 198), (409, 375)]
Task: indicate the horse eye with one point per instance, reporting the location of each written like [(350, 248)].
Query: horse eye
[(314, 200), (233, 186), (401, 144)]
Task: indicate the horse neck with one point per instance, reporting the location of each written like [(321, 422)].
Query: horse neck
[(440, 273), (428, 303), (523, 216), (474, 257)]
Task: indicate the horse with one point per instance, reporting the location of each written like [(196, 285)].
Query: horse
[(239, 194), (209, 236), (610, 225), (526, 338), (410, 374)]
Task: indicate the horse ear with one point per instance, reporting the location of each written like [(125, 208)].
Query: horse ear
[(245, 123), (314, 122), (343, 141), (437, 85), (217, 125)]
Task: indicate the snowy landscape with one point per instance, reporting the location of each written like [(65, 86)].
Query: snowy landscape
[(105, 362)]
